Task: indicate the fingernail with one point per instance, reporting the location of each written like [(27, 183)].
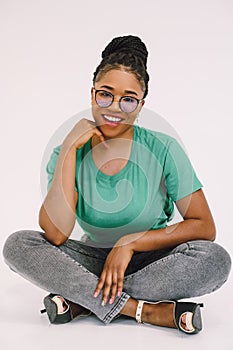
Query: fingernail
[(111, 301), (95, 294), (103, 303), (119, 294)]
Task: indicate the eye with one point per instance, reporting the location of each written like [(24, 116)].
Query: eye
[(129, 99), (103, 93)]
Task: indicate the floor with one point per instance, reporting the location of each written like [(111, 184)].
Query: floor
[(23, 327)]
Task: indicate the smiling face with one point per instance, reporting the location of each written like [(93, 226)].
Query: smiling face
[(112, 121)]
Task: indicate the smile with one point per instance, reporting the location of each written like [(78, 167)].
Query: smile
[(112, 119)]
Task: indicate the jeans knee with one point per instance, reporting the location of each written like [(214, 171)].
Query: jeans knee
[(215, 263), (221, 261), (17, 243), (212, 264), (214, 257)]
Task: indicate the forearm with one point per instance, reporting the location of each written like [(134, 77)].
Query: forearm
[(171, 236), (57, 215)]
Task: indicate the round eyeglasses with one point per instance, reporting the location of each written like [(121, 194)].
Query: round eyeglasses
[(127, 104)]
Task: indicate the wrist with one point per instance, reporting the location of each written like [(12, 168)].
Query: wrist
[(126, 242)]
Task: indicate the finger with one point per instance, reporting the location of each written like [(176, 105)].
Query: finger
[(107, 288), (98, 133), (91, 122), (100, 284), (120, 283), (114, 288), (102, 139)]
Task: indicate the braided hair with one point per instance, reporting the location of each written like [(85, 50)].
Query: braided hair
[(128, 52)]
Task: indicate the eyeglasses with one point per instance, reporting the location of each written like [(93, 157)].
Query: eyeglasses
[(127, 104)]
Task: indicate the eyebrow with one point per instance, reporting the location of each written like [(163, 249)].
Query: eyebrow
[(111, 89)]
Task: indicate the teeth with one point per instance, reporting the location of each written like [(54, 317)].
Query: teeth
[(112, 119)]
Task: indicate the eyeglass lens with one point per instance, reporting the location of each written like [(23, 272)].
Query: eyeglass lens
[(127, 104)]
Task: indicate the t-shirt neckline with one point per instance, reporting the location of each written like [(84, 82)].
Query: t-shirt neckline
[(120, 173)]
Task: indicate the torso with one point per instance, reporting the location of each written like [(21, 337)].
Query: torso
[(113, 167), (135, 199)]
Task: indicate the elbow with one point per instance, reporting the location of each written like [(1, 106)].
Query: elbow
[(210, 231), (212, 235), (55, 238), (51, 233), (56, 242)]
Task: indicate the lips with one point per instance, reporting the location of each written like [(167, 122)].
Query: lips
[(112, 120)]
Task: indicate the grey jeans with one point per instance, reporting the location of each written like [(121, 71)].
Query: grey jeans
[(72, 270)]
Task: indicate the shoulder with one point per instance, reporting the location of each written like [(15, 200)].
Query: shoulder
[(152, 138)]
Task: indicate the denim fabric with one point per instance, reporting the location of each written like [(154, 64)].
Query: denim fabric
[(72, 270)]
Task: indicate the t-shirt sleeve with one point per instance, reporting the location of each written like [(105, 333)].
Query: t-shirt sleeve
[(180, 177), (51, 166)]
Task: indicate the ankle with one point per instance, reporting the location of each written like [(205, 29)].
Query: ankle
[(129, 309), (160, 314)]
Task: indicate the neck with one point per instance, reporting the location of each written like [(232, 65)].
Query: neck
[(114, 142)]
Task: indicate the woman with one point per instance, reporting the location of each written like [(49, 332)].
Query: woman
[(121, 182)]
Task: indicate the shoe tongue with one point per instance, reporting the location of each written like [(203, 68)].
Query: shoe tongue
[(61, 304)]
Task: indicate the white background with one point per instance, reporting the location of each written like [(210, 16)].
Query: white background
[(49, 50)]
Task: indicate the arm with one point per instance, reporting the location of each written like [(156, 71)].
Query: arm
[(58, 213), (198, 224)]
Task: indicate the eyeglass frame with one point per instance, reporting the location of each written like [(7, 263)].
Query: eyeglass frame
[(119, 101)]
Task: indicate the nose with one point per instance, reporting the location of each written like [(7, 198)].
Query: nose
[(115, 106)]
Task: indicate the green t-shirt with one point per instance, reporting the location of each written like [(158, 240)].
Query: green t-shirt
[(138, 198)]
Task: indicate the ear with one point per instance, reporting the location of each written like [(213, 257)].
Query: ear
[(92, 93), (141, 105)]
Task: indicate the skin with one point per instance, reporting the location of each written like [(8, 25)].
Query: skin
[(197, 219), (119, 83)]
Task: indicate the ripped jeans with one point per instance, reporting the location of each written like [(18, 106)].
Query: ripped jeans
[(72, 270)]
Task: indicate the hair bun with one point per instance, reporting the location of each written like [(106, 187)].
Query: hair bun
[(127, 44)]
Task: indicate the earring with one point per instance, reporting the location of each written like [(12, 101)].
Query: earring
[(137, 119)]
